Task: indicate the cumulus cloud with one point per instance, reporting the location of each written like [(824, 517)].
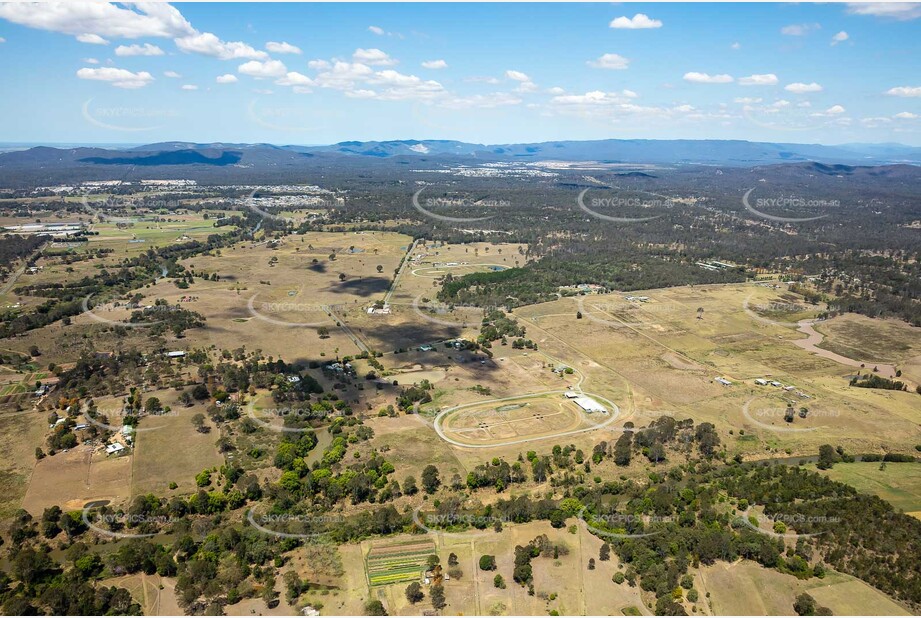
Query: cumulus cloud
[(394, 86), (835, 110), (103, 19), (905, 91), (839, 38), (86, 60), (373, 57), (138, 50), (637, 22), (902, 11), (293, 78), (120, 78), (92, 39), (434, 64), (736, 45), (282, 48), (746, 100), (227, 78), (208, 44), (358, 80), (801, 88), (766, 79), (172, 74), (189, 87), (518, 76), (269, 68), (610, 61), (906, 116), (705, 78), (91, 22), (594, 98)]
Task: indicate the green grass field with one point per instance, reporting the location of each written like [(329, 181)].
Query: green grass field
[(899, 484)]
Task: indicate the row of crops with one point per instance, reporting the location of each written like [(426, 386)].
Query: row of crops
[(398, 562)]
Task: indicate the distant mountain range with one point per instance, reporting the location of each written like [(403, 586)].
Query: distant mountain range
[(54, 164)]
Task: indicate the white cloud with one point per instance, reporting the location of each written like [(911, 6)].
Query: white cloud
[(526, 87), (518, 76), (341, 75), (705, 78), (208, 44), (801, 88), (556, 90), (902, 11), (780, 103), (835, 109), (189, 87), (906, 116), (90, 22), (172, 74), (362, 93), (2, 40), (91, 61), (358, 80), (282, 48), (799, 29), (269, 68), (394, 86), (610, 61), (804, 104), (839, 38), (637, 22), (684, 108), (103, 19), (746, 100), (92, 39), (293, 78), (736, 45), (227, 78), (120, 78), (381, 32), (138, 50), (766, 79), (373, 57), (594, 98), (905, 91), (434, 64), (262, 91)]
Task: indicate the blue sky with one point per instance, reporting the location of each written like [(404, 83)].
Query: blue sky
[(290, 73)]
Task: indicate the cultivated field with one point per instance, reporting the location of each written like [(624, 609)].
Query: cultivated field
[(394, 562)]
